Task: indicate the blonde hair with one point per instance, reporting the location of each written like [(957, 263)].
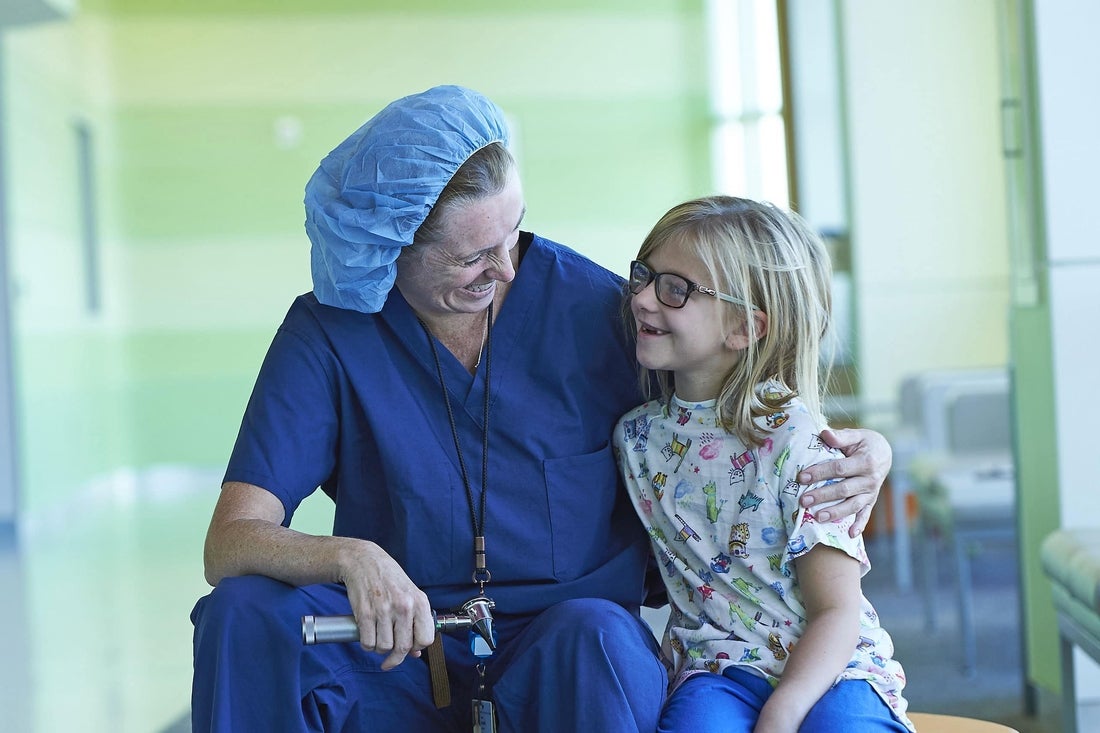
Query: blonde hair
[(772, 259)]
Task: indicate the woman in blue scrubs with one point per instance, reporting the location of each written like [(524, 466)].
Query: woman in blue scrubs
[(451, 383)]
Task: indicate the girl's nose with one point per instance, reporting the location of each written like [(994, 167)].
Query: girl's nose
[(646, 298)]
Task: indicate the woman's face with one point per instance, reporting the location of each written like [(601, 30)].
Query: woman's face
[(460, 273)]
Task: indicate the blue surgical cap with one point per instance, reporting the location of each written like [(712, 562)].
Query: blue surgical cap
[(371, 194)]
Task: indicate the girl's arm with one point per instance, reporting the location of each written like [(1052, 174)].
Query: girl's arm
[(830, 584)]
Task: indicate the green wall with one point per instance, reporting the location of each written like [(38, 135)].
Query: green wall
[(68, 362), (206, 124), (1037, 484), (1030, 325)]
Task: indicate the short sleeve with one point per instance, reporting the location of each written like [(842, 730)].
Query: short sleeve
[(288, 436), (804, 447)]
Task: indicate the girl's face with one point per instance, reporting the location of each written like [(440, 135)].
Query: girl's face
[(460, 274), (690, 341)]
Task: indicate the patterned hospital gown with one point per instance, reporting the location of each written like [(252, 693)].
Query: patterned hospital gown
[(725, 524)]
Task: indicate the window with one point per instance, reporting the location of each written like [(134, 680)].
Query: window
[(746, 91)]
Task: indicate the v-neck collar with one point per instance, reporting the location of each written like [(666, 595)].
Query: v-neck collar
[(513, 314)]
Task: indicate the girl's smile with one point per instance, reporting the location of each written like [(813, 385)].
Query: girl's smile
[(690, 341)]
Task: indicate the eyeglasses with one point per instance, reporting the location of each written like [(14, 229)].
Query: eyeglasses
[(672, 290)]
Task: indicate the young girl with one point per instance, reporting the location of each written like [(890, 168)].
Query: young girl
[(769, 630)]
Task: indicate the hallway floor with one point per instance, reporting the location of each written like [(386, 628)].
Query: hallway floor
[(932, 657), (95, 602)]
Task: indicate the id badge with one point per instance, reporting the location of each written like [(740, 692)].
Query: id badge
[(485, 719)]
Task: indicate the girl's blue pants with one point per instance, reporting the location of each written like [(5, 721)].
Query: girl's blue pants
[(731, 703)]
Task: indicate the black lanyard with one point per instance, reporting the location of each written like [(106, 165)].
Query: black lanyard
[(481, 574)]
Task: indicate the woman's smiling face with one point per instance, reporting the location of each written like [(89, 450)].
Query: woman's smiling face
[(460, 273)]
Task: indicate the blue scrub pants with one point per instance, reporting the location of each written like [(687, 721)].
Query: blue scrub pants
[(582, 665), (731, 703)]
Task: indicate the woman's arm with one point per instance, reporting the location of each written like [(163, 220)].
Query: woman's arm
[(830, 584), (246, 537), (861, 472)]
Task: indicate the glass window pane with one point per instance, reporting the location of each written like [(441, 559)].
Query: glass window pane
[(725, 58), (747, 142), (773, 159), (728, 144), (766, 61)]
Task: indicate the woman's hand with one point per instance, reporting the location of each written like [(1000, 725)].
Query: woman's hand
[(246, 537), (393, 615), (861, 472)]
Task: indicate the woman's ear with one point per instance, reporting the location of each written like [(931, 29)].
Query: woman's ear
[(740, 338)]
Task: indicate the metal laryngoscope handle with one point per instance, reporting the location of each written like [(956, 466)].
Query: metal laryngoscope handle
[(476, 613)]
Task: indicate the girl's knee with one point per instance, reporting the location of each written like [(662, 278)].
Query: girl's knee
[(850, 705)]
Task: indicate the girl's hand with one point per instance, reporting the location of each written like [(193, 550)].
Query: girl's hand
[(861, 472)]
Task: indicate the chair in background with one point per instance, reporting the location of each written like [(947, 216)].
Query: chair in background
[(966, 497), (1071, 561), (922, 431)]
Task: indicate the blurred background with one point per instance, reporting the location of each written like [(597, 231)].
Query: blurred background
[(153, 155)]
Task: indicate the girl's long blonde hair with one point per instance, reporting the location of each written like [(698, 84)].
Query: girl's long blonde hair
[(771, 258)]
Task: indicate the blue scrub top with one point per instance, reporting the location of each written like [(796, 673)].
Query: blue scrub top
[(351, 402)]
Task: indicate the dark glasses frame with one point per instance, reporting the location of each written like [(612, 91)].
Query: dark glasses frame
[(641, 275)]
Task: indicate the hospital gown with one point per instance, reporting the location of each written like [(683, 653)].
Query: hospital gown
[(726, 525)]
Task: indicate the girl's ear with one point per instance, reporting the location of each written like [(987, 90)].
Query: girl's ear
[(739, 338)]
